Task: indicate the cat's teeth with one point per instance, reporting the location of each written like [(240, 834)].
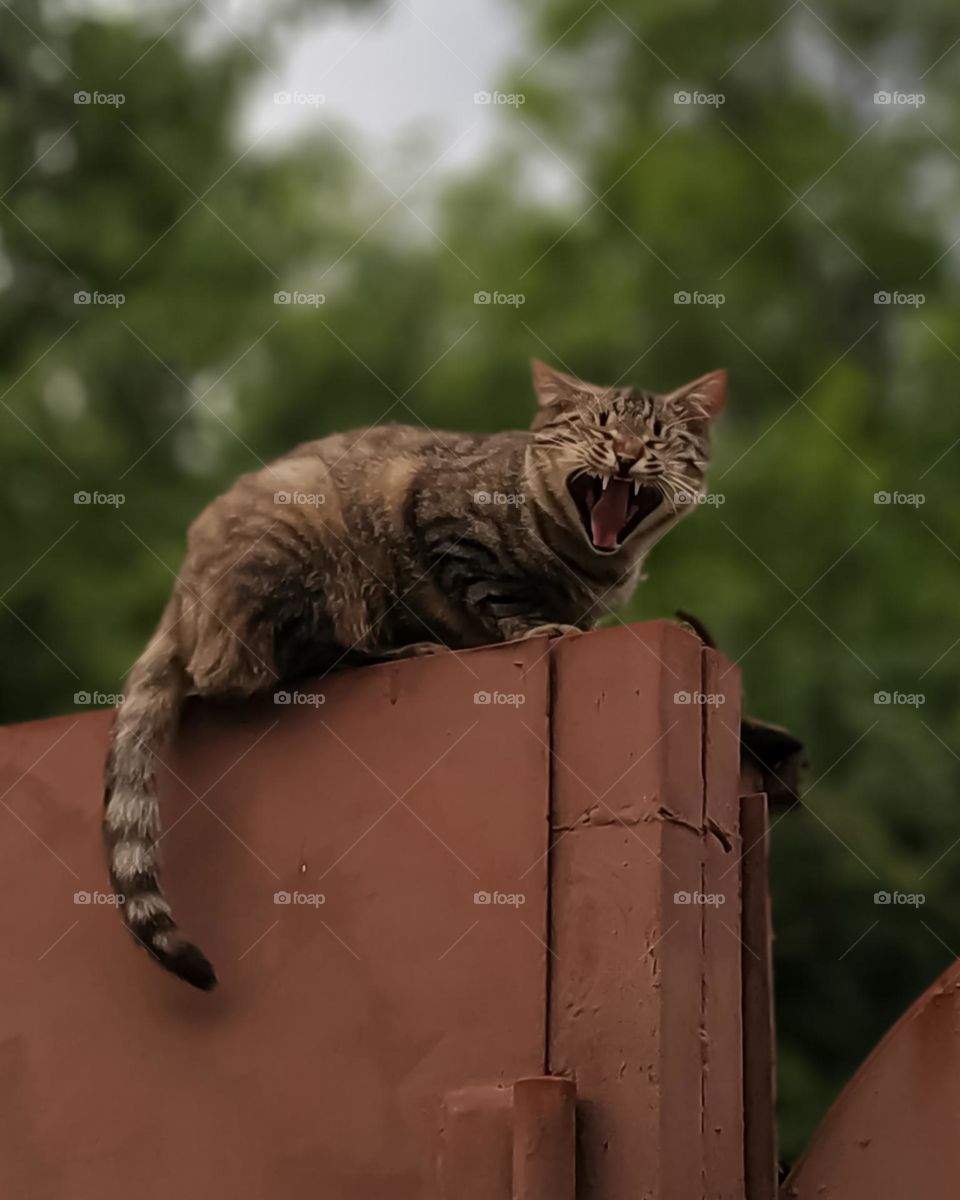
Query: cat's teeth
[(604, 480), (636, 487)]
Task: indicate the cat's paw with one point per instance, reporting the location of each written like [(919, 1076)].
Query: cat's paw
[(551, 631)]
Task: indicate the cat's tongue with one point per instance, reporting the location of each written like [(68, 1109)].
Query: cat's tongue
[(609, 513)]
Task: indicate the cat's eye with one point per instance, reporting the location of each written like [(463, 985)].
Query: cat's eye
[(604, 417), (657, 428)]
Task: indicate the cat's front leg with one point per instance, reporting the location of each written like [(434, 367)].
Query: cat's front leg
[(507, 606)]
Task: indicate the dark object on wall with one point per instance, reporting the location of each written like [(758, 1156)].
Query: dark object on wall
[(778, 760), (773, 757)]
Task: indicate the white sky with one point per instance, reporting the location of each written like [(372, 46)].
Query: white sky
[(393, 75), (405, 71)]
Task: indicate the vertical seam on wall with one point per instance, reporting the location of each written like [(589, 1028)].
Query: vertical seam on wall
[(551, 799), (704, 1045)]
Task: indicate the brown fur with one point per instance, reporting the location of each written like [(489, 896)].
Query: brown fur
[(389, 544)]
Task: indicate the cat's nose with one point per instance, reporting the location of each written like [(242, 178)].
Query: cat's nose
[(628, 452), (626, 459)]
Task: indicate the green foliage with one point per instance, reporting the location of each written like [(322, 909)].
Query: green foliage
[(797, 199)]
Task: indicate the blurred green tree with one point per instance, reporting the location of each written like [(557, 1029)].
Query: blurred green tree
[(141, 250)]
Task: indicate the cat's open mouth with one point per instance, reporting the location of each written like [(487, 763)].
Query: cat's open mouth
[(611, 507)]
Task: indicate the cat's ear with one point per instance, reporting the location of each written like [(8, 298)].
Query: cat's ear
[(703, 399), (553, 386)]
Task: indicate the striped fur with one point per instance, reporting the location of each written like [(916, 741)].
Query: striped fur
[(368, 545), (143, 728)]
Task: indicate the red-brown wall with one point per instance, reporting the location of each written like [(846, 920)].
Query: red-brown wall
[(365, 1046)]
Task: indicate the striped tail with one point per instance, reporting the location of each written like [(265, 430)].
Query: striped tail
[(145, 724)]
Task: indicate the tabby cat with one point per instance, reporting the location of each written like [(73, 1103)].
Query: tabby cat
[(390, 541)]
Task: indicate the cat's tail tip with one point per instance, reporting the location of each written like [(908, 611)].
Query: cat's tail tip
[(147, 916), (161, 939), (187, 962)]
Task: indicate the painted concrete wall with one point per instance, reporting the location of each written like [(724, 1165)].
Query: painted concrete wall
[(419, 883)]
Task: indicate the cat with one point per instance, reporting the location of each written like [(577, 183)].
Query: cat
[(395, 540)]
